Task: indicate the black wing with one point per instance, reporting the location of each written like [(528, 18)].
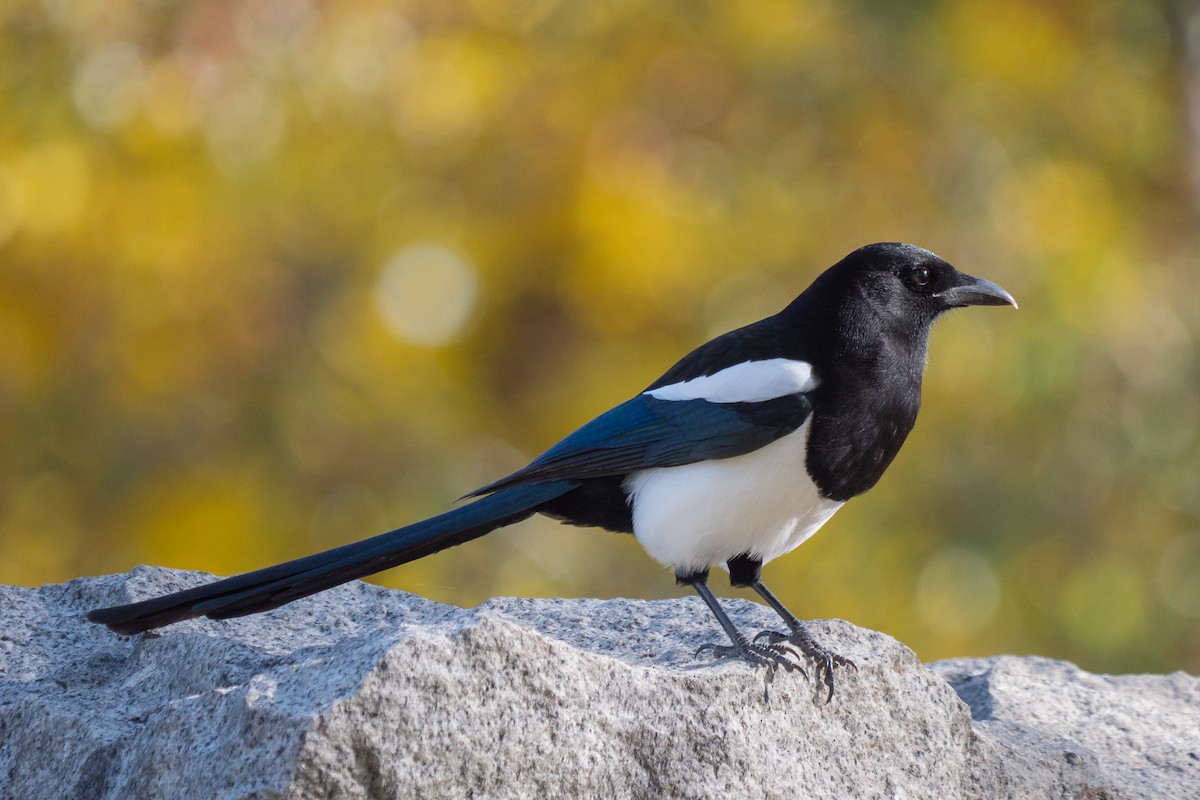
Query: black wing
[(646, 432)]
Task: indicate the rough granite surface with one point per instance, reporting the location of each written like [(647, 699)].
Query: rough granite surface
[(364, 692)]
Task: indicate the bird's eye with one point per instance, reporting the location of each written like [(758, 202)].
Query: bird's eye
[(917, 277)]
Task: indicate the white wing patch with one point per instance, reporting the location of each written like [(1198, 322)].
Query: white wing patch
[(748, 382)]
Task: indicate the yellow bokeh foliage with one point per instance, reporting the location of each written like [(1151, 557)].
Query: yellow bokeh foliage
[(279, 275)]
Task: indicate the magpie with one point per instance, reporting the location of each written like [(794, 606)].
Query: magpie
[(735, 456)]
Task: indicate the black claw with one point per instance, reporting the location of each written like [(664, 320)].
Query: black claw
[(772, 637), (824, 658), (772, 656), (826, 666)]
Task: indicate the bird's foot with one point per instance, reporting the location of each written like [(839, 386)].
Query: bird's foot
[(824, 658), (772, 655)]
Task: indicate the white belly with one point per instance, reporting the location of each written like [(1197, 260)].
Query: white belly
[(700, 515)]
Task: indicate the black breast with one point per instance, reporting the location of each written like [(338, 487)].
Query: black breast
[(860, 420)]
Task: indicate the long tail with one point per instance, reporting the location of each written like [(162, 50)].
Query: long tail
[(272, 587)]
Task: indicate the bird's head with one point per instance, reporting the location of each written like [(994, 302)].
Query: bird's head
[(905, 287), (886, 295)]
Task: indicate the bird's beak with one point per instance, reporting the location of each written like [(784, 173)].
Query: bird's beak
[(972, 291)]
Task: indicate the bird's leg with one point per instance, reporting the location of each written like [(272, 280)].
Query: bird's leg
[(746, 570), (771, 655), (825, 658)]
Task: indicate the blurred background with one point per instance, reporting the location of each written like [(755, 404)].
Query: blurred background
[(279, 274)]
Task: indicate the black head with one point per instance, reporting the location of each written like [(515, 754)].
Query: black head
[(901, 287), (904, 278)]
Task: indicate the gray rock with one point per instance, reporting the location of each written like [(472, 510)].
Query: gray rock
[(1068, 732), (368, 692)]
